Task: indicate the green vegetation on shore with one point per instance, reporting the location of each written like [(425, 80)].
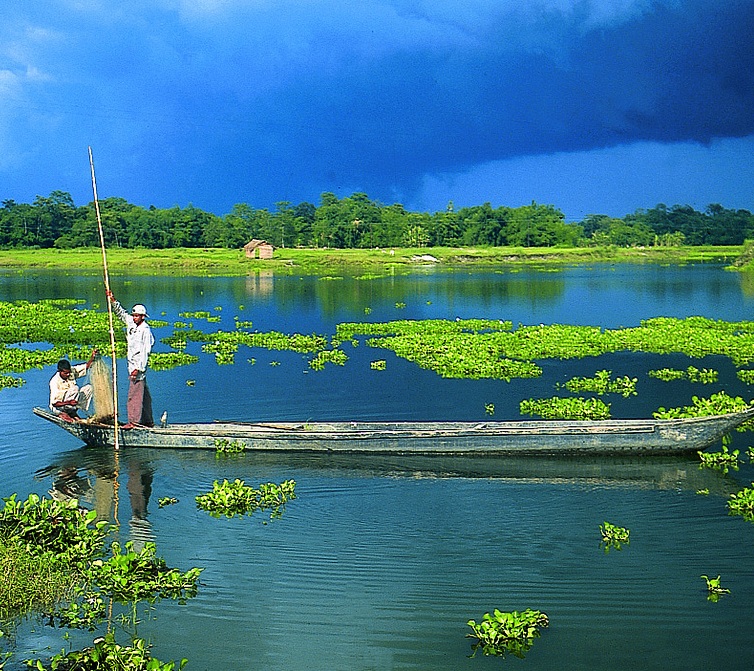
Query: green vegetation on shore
[(358, 222), (232, 262)]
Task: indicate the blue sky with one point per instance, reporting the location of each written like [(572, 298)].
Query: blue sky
[(593, 106)]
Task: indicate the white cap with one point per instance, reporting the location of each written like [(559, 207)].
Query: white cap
[(139, 309)]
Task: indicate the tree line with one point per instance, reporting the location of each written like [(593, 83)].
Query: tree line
[(356, 221)]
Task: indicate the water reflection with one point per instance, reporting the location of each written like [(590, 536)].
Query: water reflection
[(93, 476), (89, 473)]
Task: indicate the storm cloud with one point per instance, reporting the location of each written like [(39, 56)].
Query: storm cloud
[(216, 102)]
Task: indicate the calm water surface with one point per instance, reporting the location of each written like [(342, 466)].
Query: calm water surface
[(379, 562)]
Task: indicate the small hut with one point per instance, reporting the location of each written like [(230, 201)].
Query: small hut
[(262, 247)]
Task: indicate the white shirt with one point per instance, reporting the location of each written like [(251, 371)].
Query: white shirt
[(66, 390), (140, 341)]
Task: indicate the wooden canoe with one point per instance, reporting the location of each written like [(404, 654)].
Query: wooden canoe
[(612, 436)]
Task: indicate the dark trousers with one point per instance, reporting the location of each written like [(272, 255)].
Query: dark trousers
[(139, 403)]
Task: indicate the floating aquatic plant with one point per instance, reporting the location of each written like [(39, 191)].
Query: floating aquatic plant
[(168, 360), (130, 575), (742, 503), (692, 374), (7, 381), (237, 498), (613, 536), (477, 346), (717, 404), (720, 461), (714, 588), (336, 356), (225, 446), (603, 383), (501, 633), (105, 653), (566, 408)]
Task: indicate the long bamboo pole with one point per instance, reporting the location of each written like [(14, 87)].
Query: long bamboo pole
[(109, 305)]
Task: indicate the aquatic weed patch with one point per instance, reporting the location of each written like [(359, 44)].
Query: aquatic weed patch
[(71, 331), (169, 360), (334, 356), (692, 374), (501, 633), (613, 536), (8, 381), (714, 588), (717, 404), (720, 461), (566, 408), (237, 498), (130, 575), (107, 655), (224, 446), (742, 503), (53, 528), (603, 383), (493, 349)]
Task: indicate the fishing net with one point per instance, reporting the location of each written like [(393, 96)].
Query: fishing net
[(101, 379)]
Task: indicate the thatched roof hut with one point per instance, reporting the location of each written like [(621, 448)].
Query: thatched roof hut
[(261, 247)]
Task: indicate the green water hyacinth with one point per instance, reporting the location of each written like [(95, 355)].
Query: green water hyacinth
[(717, 404), (501, 633), (603, 383), (169, 360), (58, 529), (613, 536), (198, 314), (746, 376), (720, 461), (566, 408), (692, 374), (237, 498), (225, 446), (107, 655), (129, 576), (475, 348), (8, 381), (714, 588), (742, 503), (336, 356), (271, 340)]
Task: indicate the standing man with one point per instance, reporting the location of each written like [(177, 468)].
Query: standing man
[(66, 398), (140, 340)]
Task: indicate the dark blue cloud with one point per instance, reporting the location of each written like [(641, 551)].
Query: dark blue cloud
[(222, 101)]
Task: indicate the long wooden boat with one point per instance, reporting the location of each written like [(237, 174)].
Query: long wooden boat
[(616, 436)]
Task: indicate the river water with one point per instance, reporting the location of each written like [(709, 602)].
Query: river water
[(379, 562)]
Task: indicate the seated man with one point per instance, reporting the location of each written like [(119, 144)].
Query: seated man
[(66, 398)]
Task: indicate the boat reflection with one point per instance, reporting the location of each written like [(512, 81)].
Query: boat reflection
[(655, 473), (90, 472)]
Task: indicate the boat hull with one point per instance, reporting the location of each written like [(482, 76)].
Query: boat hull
[(661, 437)]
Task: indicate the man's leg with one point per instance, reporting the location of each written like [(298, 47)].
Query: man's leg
[(146, 407), (135, 401)]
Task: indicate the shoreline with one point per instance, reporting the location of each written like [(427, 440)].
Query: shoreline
[(232, 262)]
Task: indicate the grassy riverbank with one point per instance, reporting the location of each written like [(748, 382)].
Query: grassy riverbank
[(348, 261)]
